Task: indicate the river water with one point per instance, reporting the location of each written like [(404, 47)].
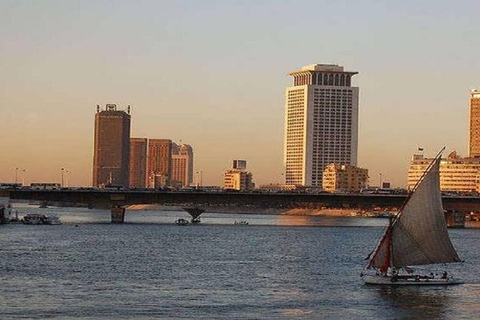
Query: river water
[(276, 267)]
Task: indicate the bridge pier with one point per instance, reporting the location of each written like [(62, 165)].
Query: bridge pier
[(455, 218), (195, 212), (117, 209), (118, 214)]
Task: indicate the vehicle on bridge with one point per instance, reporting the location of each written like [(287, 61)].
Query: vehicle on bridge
[(45, 186), (8, 186)]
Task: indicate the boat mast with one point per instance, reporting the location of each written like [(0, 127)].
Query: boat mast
[(391, 220)]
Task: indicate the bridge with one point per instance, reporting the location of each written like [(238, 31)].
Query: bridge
[(117, 200)]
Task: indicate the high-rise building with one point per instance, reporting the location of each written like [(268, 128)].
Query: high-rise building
[(159, 164), (111, 152), (138, 162), (321, 123), (474, 145), (182, 165)]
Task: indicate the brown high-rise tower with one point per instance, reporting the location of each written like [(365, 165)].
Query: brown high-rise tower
[(138, 162), (474, 142), (159, 164), (111, 153)]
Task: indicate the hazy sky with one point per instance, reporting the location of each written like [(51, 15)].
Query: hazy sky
[(212, 74)]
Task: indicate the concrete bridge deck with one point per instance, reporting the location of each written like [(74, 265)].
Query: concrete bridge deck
[(118, 199)]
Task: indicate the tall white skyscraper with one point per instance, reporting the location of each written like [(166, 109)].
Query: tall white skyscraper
[(321, 123)]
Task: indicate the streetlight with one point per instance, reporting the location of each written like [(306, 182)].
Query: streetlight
[(66, 178), (16, 175), (197, 179), (63, 169)]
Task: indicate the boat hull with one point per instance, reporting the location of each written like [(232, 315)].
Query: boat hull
[(415, 281)]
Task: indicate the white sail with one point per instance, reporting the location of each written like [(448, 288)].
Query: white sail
[(418, 236)]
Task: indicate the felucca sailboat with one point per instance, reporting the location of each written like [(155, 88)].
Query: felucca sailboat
[(416, 236)]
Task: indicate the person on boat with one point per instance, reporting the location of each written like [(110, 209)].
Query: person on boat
[(394, 277), (444, 275)]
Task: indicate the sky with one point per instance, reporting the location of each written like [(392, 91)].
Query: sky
[(213, 74)]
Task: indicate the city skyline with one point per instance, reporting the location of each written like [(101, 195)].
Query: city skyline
[(213, 73)]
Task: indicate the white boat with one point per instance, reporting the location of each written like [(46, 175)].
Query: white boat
[(195, 220), (34, 218), (417, 236), (51, 219), (181, 222)]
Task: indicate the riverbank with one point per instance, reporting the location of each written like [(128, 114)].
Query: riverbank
[(268, 211)]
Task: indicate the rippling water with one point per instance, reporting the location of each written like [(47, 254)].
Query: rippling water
[(270, 269)]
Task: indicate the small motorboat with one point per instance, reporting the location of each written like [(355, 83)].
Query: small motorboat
[(195, 220), (51, 219), (35, 218), (181, 222)]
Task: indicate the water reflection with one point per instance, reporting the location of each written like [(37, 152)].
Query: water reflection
[(417, 302), (84, 215), (325, 221), (472, 224)]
